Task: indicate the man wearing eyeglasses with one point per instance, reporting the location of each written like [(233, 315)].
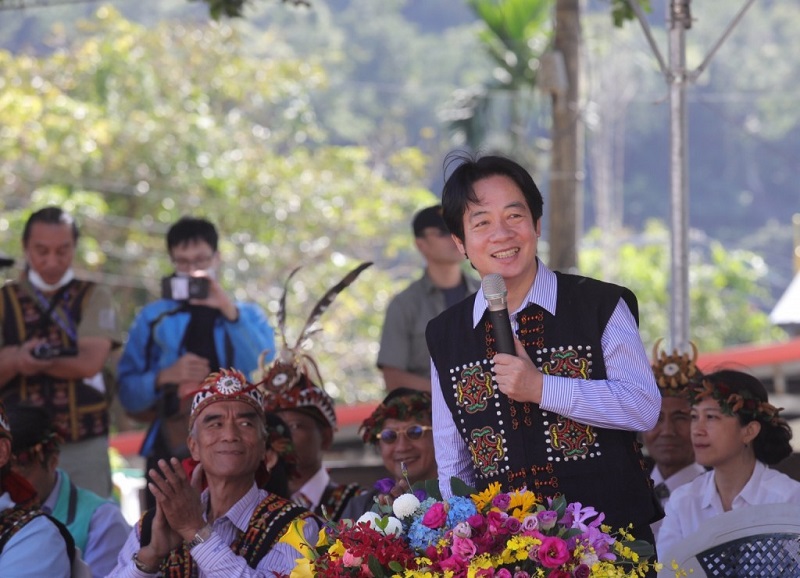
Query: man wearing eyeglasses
[(403, 358), (176, 341)]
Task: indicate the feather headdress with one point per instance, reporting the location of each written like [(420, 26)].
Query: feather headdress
[(293, 380)]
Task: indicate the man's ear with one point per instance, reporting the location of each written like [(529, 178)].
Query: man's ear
[(459, 244), (327, 438), (191, 443), (5, 451), (270, 459)]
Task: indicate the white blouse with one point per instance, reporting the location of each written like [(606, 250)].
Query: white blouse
[(698, 500)]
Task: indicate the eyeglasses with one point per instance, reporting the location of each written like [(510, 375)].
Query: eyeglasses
[(202, 262), (412, 432)]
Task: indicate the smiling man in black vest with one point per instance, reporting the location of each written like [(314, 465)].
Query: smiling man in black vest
[(560, 416)]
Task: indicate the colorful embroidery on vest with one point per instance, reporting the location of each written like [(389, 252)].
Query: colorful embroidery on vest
[(335, 499), (566, 438), (474, 388), (567, 363), (487, 448)]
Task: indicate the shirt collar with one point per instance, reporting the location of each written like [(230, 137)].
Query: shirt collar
[(749, 495), (315, 486), (239, 514), (49, 505), (542, 292)]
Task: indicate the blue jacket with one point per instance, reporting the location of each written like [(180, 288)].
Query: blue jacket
[(143, 358)]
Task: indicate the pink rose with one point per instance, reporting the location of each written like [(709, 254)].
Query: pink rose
[(435, 517), (495, 521), (463, 548), (558, 574), (503, 573), (521, 574), (553, 552)]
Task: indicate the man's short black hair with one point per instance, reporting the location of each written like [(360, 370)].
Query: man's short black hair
[(50, 216), (189, 229), (459, 188)]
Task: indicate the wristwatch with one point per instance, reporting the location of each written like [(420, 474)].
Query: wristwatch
[(201, 536)]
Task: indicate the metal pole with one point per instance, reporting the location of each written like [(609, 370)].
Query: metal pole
[(679, 21)]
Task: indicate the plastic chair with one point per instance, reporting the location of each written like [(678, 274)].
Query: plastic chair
[(754, 542)]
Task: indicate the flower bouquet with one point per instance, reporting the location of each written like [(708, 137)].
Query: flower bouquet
[(475, 534)]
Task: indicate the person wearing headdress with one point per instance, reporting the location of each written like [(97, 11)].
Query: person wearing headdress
[(400, 429), (96, 524), (669, 443), (738, 434), (232, 527), (31, 543), (292, 389)]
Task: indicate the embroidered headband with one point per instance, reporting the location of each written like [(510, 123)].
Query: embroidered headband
[(675, 371), (293, 381), (732, 402), (225, 385), (407, 406)]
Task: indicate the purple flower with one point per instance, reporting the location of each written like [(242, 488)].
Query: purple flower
[(521, 574), (501, 502), (421, 494), (582, 571), (385, 485), (512, 525), (503, 573), (547, 519)]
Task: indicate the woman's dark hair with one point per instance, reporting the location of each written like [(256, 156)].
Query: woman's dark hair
[(459, 190), (772, 444)]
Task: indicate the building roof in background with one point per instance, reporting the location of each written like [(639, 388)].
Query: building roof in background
[(787, 310)]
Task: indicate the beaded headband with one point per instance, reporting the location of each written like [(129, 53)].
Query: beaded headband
[(674, 371), (733, 403), (405, 407), (225, 385)]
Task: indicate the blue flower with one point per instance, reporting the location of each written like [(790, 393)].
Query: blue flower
[(420, 536), (461, 509)]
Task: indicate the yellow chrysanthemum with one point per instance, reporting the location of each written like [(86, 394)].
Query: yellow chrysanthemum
[(484, 498)]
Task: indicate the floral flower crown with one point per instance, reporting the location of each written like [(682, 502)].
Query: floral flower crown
[(731, 402), (404, 407)]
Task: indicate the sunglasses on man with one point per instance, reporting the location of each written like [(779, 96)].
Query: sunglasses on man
[(412, 432)]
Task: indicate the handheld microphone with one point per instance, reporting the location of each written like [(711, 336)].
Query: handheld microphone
[(496, 294)]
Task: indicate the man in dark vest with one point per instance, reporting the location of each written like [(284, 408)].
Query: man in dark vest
[(232, 528), (57, 332), (560, 416)]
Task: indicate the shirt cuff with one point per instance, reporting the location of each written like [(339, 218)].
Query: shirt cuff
[(556, 394)]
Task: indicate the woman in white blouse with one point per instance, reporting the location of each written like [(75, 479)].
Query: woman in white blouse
[(738, 433)]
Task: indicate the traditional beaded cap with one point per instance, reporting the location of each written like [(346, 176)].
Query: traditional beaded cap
[(675, 371), (225, 385), (293, 381)]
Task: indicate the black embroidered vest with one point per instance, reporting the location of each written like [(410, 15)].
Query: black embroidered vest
[(520, 444), (267, 525), (79, 411)]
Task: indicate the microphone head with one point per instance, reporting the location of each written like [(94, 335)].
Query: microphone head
[(494, 286)]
